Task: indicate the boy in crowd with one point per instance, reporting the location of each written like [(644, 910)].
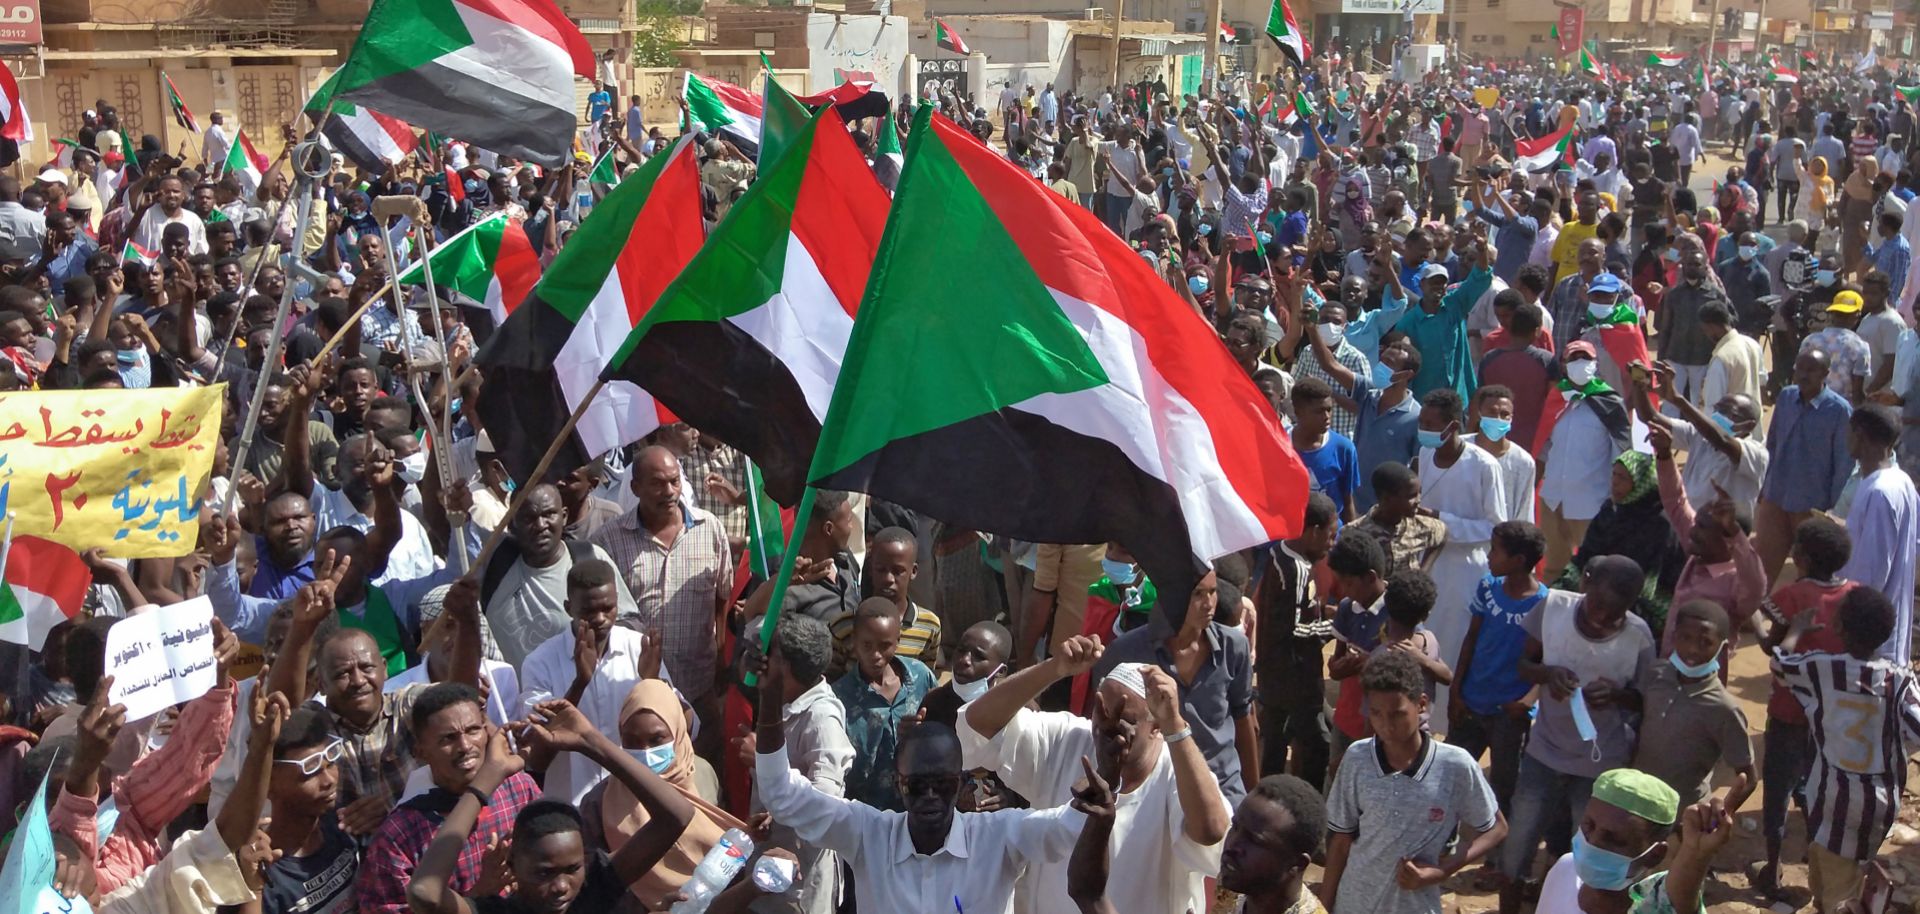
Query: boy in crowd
[(1327, 454), (1359, 570), (1289, 642), (1489, 712), (1820, 549), (1410, 597), (1866, 721), (1411, 539), (1690, 722), (1387, 855), (1587, 651), (880, 691)]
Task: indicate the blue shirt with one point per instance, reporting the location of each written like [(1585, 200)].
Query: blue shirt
[(597, 105), (1389, 437), (69, 262), (1335, 465), (1809, 444), (873, 725), (1494, 678), (273, 582), (1293, 229), (1891, 258), (1513, 237)]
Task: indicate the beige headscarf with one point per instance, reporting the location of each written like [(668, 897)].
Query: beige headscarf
[(1859, 185), (621, 815)]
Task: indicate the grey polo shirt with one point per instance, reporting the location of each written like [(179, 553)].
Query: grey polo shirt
[(1411, 813)]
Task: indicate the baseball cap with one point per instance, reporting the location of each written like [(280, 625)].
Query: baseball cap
[(1431, 270), (1581, 347), (52, 176), (1846, 302), (1634, 791), (1606, 283)]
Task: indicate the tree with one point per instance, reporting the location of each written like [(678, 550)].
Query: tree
[(660, 29)]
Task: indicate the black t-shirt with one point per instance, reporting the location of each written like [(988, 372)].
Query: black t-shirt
[(319, 883), (601, 893)]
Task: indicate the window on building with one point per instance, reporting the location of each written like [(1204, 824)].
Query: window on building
[(1499, 39)]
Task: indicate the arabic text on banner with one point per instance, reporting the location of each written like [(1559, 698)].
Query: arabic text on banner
[(120, 469), (161, 657)]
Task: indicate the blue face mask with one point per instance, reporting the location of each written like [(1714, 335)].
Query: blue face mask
[(1600, 868), (1118, 572), (1429, 439), (1725, 424), (1702, 671), (1823, 277), (1673, 254), (1204, 229), (1749, 251), (127, 356), (1197, 285), (1494, 429), (1167, 171), (658, 759), (1265, 238)]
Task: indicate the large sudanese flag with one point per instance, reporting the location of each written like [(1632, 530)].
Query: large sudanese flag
[(1285, 32), (746, 345), (495, 73), (1063, 393), (552, 348), (371, 140)]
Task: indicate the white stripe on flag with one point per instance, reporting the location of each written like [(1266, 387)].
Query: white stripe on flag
[(514, 59), (803, 326), (622, 413)]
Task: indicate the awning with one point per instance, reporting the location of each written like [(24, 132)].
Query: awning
[(1166, 44)]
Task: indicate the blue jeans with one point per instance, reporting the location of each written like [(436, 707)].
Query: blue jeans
[(1113, 211), (1546, 804)]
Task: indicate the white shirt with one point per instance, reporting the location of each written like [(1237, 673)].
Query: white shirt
[(147, 233), (973, 871), (214, 150), (503, 689), (1153, 866), (1517, 471), (548, 674), (1579, 454), (1705, 466), (412, 557), (1560, 893)]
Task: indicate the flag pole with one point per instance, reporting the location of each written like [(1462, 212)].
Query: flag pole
[(304, 179), (6, 548), (802, 515), (443, 437), (279, 208), (539, 470)]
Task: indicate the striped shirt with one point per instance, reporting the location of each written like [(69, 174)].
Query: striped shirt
[(1308, 366), (919, 638), (1865, 719), (678, 587)]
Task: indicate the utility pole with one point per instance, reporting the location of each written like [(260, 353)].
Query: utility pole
[(1118, 14), (1713, 30), (1211, 69), (1760, 29)]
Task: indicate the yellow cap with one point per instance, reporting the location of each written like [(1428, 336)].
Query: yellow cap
[(1846, 302)]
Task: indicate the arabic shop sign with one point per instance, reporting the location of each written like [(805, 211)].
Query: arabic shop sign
[(20, 22), (119, 469)]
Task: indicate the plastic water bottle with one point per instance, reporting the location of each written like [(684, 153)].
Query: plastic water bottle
[(715, 872)]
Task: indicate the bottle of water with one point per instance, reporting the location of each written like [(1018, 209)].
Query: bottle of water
[(715, 872)]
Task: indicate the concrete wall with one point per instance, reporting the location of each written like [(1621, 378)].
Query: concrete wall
[(862, 44), (1022, 51)]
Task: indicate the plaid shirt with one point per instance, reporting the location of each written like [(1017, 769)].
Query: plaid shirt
[(377, 760), (1347, 354), (381, 887), (678, 588), (729, 465), (1426, 141)]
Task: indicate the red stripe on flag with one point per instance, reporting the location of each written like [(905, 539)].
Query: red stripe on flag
[(545, 20), (669, 232), (1074, 253), (16, 112), (515, 265), (840, 211)]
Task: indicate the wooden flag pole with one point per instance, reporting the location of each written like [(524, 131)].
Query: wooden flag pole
[(539, 471), (802, 516)]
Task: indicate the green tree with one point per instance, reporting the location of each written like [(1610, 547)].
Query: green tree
[(659, 30)]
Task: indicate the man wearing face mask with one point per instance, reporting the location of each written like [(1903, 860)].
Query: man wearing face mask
[(1722, 454), (1583, 426), (1683, 341), (1138, 737), (1623, 835), (592, 664), (1746, 281)]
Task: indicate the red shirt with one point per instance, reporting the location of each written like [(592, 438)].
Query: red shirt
[(1823, 599), (1498, 339)]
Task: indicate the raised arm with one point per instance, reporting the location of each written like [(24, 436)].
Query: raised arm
[(296, 464), (562, 727), (241, 815), (1202, 806), (312, 604), (1087, 867), (431, 891), (990, 713)]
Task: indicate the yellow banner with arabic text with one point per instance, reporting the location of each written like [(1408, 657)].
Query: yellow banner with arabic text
[(119, 469)]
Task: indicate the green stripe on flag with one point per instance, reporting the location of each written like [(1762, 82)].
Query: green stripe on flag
[(10, 607), (766, 541), (704, 105), (580, 270), (917, 322)]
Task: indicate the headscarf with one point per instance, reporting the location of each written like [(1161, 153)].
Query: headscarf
[(1860, 183), (1639, 467), (621, 815)]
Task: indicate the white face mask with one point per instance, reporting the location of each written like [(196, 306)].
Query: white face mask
[(1331, 334), (1582, 371), (968, 691), (413, 467)]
